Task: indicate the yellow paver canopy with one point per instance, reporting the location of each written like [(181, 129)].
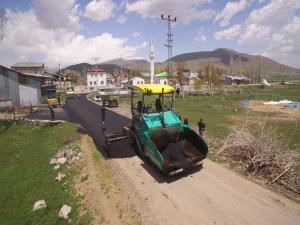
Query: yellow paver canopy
[(153, 88)]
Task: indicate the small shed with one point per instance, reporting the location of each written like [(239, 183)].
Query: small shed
[(19, 88)]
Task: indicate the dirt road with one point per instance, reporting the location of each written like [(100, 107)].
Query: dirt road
[(213, 195)]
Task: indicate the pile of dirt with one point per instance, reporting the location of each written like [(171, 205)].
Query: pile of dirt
[(259, 106)]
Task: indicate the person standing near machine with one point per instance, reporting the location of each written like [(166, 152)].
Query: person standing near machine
[(103, 113), (201, 127)]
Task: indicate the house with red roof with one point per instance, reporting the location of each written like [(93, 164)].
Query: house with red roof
[(96, 78)]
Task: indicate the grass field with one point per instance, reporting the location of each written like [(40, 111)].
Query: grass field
[(279, 78), (26, 175), (219, 112)]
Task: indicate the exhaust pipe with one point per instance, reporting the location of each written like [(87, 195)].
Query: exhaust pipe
[(181, 170), (173, 173)]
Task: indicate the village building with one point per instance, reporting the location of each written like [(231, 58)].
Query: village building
[(61, 83), (162, 78), (122, 78), (38, 70), (29, 68), (136, 80), (96, 78), (18, 89)]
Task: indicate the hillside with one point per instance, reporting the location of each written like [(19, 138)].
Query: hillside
[(227, 59), (82, 67), (126, 63)]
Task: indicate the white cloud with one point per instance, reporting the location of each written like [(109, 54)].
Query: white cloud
[(185, 11), (276, 28), (99, 10), (284, 45), (277, 13), (228, 33), (121, 19), (200, 36), (144, 44), (136, 34), (57, 14), (255, 34), (59, 46), (229, 11)]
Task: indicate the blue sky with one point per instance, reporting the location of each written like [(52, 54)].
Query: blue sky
[(73, 31)]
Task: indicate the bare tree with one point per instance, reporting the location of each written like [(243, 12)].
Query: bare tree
[(3, 21)]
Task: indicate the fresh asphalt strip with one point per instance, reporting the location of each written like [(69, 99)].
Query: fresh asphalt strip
[(88, 115)]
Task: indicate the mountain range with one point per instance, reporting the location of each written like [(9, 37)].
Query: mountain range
[(228, 59)]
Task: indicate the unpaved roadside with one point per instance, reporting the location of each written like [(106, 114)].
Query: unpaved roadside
[(100, 191), (213, 195)]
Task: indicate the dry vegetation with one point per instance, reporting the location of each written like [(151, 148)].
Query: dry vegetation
[(264, 155)]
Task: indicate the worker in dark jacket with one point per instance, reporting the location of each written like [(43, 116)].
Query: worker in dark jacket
[(51, 112), (185, 121), (201, 127), (103, 114)]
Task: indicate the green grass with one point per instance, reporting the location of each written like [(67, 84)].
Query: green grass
[(289, 131), (211, 109), (218, 110), (26, 175), (279, 78)]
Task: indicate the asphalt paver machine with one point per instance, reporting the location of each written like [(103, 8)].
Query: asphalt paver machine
[(156, 131)]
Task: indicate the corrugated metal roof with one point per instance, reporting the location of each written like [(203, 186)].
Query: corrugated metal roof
[(37, 75), (28, 65), (237, 77)]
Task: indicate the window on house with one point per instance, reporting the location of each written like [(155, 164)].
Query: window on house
[(102, 82), (91, 83), (95, 82)]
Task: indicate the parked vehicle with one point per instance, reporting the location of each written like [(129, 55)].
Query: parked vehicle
[(97, 97), (70, 92)]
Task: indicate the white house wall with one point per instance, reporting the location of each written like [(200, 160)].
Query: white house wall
[(96, 80), (138, 81)]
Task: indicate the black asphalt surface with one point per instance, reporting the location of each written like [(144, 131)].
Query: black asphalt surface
[(44, 114), (88, 115)]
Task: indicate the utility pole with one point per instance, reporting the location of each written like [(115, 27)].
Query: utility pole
[(59, 77), (96, 58), (169, 41)]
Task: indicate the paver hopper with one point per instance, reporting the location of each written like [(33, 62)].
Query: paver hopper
[(157, 133)]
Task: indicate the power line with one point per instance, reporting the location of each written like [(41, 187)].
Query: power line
[(169, 40)]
